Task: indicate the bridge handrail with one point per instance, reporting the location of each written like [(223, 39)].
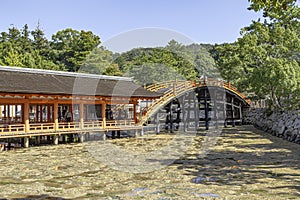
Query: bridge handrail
[(176, 88)]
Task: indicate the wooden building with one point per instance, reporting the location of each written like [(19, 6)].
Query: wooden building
[(34, 101)]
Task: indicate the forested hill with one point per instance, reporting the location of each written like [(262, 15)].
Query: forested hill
[(174, 61), (80, 51)]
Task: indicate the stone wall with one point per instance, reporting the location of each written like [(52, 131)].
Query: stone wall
[(281, 124)]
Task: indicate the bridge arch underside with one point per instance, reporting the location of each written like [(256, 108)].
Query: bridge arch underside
[(203, 107)]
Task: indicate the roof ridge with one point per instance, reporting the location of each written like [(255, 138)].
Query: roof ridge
[(62, 73)]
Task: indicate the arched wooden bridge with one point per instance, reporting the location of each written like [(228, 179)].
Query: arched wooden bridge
[(202, 103)]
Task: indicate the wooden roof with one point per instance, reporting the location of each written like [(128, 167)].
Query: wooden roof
[(34, 81)]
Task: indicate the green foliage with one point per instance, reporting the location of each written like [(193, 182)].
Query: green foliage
[(155, 59), (24, 48), (175, 61), (265, 60), (71, 47), (97, 61)]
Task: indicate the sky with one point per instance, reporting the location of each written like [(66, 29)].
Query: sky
[(123, 24)]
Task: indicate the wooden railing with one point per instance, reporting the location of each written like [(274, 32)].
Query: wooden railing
[(13, 129), (93, 125), (177, 88), (119, 123), (44, 128)]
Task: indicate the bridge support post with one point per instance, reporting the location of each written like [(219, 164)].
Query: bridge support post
[(26, 142), (232, 112), (196, 112), (240, 112), (81, 137), (225, 109), (38, 140), (216, 109), (206, 109), (55, 139), (184, 116), (103, 136), (157, 124), (172, 128)]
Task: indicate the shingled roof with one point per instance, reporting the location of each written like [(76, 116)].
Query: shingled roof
[(36, 81)]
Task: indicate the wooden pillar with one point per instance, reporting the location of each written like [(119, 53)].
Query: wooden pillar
[(103, 112), (196, 113), (38, 140), (103, 136), (206, 107), (134, 112), (55, 115), (240, 112), (81, 137), (55, 139), (188, 114), (81, 118), (215, 109), (26, 116), (172, 125), (232, 112), (157, 124), (184, 114), (225, 109), (26, 142)]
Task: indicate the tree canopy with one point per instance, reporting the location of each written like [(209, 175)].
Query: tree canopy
[(264, 61)]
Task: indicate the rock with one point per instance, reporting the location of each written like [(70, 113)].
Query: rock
[(282, 124)]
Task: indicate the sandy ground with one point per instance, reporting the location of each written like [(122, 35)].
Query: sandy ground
[(244, 164)]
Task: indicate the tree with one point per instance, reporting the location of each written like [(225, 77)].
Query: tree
[(155, 57), (70, 47), (97, 61), (264, 59)]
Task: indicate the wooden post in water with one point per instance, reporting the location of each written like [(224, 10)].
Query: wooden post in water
[(225, 109), (81, 137), (55, 115), (81, 123), (240, 112), (157, 123), (26, 116), (38, 140), (232, 111), (26, 142), (134, 112), (184, 117), (206, 110), (103, 114), (55, 139), (196, 112), (215, 109)]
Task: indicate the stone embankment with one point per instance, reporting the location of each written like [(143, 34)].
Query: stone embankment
[(281, 124)]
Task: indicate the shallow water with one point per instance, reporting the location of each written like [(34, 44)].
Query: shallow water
[(244, 164)]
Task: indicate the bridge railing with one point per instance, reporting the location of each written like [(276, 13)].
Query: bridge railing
[(176, 88)]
